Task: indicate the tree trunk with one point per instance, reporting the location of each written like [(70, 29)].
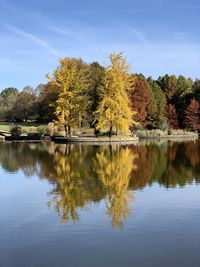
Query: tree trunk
[(66, 129), (69, 130), (110, 131), (79, 120)]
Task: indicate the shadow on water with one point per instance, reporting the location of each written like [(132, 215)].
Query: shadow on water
[(82, 175)]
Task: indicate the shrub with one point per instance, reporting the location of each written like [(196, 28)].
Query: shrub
[(147, 133), (33, 132), (2, 138), (170, 131), (181, 132), (59, 130), (50, 129), (96, 132), (59, 133), (41, 130), (141, 133), (163, 125), (16, 131)]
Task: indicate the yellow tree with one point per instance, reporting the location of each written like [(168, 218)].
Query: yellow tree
[(70, 80), (114, 111)]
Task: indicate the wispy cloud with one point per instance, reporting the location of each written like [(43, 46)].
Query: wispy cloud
[(26, 35), (139, 35), (135, 33), (89, 34), (77, 34)]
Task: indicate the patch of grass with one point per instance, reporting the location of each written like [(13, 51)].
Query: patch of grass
[(6, 126), (160, 133)]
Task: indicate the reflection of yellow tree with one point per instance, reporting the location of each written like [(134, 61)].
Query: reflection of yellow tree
[(86, 175), (73, 188), (114, 168)]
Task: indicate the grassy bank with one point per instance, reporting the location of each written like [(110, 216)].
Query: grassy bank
[(6, 126), (160, 133), (28, 128)]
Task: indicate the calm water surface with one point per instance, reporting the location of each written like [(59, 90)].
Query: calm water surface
[(119, 206)]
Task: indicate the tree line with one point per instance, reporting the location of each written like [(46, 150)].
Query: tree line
[(110, 97)]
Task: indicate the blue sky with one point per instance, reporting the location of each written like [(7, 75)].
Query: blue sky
[(156, 36)]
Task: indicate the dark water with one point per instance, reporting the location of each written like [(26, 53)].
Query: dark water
[(100, 206)]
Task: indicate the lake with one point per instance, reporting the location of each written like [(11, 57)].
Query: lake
[(84, 205)]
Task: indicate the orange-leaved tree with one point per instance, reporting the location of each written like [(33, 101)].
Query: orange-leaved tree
[(191, 118)]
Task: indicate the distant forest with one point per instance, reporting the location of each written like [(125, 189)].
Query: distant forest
[(87, 95)]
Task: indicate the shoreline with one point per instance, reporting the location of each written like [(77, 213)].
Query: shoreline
[(101, 140), (98, 140), (123, 140)]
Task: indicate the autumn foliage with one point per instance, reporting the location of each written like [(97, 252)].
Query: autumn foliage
[(140, 96), (114, 110), (172, 116), (110, 99), (191, 119)]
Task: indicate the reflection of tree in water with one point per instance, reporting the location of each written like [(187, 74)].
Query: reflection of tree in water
[(151, 163), (82, 175), (30, 158), (113, 168), (193, 153), (169, 164), (85, 176), (140, 176), (75, 185), (178, 171)]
